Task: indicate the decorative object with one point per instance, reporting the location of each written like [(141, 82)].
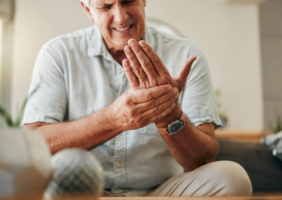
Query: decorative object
[(76, 173), (25, 163), (274, 143), (277, 124)]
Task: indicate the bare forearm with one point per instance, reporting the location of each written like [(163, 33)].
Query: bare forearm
[(192, 146), (132, 110), (86, 133)]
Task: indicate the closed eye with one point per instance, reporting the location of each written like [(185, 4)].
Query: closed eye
[(127, 3), (106, 7), (109, 6)]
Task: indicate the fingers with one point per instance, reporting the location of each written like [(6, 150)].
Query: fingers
[(152, 116), (182, 76), (145, 95), (138, 58), (155, 59), (134, 63), (160, 103), (130, 75)]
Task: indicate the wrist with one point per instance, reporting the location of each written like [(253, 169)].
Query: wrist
[(110, 119), (175, 114)]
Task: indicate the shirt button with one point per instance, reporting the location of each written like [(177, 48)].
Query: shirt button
[(119, 71), (118, 165)]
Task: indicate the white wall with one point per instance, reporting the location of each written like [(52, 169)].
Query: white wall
[(36, 22), (228, 34)]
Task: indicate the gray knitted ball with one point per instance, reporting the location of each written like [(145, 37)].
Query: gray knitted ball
[(76, 172)]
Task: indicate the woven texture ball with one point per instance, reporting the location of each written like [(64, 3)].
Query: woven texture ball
[(76, 172)]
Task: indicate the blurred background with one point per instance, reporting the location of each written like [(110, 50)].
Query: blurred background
[(242, 40)]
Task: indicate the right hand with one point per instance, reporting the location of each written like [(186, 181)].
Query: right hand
[(138, 108), (143, 61)]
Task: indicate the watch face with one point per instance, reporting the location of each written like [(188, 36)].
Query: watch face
[(176, 127)]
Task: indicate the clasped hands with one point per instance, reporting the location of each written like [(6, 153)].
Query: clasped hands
[(153, 97)]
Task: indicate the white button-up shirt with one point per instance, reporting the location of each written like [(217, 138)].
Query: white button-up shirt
[(75, 75)]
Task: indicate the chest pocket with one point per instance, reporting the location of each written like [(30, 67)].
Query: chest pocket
[(150, 129)]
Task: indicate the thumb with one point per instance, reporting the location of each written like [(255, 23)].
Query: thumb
[(182, 76)]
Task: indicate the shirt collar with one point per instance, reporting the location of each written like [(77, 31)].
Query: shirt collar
[(97, 46), (149, 38)]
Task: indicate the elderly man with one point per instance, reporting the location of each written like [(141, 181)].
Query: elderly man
[(109, 89)]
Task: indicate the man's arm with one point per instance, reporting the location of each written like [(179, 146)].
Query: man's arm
[(134, 109), (192, 146), (85, 133)]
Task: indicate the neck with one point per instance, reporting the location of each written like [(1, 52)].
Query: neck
[(119, 56)]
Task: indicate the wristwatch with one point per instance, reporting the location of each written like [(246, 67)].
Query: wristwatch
[(174, 126)]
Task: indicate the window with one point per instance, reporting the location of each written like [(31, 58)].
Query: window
[(1, 38), (6, 33)]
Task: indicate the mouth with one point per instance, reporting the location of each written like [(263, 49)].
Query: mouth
[(123, 29)]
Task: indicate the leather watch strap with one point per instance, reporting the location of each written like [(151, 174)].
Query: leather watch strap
[(165, 131)]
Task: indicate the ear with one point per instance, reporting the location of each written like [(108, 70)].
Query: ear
[(87, 11), (145, 3)]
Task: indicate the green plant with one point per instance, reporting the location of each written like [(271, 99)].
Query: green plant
[(217, 95), (8, 117), (278, 124), (223, 117), (219, 104)]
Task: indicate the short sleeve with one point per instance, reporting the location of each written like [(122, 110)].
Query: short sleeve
[(198, 100), (47, 97)]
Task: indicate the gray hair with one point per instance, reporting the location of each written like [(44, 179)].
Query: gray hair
[(85, 2)]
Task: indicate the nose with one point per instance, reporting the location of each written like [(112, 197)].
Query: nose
[(120, 15)]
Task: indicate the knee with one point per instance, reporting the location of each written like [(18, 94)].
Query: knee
[(231, 178)]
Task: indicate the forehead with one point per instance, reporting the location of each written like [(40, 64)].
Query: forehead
[(103, 2)]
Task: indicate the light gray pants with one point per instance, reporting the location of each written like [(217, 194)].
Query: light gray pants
[(222, 178)]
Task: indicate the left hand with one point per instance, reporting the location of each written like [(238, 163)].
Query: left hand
[(149, 70)]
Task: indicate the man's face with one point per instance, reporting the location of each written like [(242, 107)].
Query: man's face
[(119, 20)]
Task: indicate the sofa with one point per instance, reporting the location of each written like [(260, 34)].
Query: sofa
[(264, 170)]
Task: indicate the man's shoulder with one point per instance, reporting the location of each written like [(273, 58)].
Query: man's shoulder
[(171, 42), (80, 37), (166, 44)]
